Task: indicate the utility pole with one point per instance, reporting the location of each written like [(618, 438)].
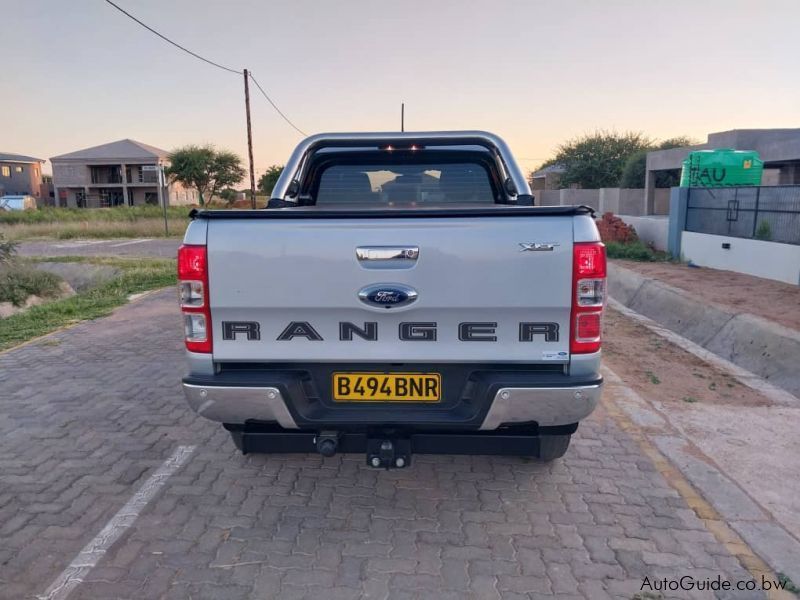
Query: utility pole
[(402, 116), (249, 140), (162, 197)]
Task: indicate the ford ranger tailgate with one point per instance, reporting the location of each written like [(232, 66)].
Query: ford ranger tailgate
[(468, 285)]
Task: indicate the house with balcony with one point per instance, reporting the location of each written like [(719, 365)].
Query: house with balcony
[(121, 173), (20, 175)]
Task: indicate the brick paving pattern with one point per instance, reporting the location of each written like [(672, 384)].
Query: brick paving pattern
[(87, 414)]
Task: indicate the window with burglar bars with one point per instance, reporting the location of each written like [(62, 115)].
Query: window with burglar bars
[(770, 213)]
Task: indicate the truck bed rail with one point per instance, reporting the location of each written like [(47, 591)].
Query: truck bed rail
[(302, 212)]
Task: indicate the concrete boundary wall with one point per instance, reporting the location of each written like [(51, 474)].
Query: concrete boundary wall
[(754, 257), (765, 348), (619, 201)]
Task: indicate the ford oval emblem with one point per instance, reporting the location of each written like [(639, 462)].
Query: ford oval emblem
[(387, 295)]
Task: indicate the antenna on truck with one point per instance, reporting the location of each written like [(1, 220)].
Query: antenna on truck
[(402, 116)]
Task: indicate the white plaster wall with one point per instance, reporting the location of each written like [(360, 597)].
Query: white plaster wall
[(754, 257), (652, 230)]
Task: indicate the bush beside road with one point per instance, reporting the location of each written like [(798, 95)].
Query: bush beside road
[(136, 276), (19, 281)]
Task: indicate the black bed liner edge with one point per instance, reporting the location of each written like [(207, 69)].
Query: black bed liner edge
[(393, 213)]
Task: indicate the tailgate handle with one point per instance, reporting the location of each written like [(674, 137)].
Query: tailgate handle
[(374, 253)]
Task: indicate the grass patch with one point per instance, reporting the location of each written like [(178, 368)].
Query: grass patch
[(19, 280), (82, 215), (788, 584), (137, 275), (70, 223), (652, 377), (143, 228), (635, 251)]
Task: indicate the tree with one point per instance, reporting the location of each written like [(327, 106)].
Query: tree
[(205, 169), (268, 180), (596, 160), (633, 173), (229, 195)]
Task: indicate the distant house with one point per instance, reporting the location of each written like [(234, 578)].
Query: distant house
[(20, 175), (547, 178), (114, 174)]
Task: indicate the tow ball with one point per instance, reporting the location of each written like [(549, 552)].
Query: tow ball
[(388, 453)]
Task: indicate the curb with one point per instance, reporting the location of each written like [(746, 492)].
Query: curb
[(740, 524), (760, 346)]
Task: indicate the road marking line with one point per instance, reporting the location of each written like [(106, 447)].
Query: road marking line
[(745, 377), (80, 243), (713, 521), (91, 554), (130, 242)]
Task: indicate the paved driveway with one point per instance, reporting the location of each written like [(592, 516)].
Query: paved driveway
[(87, 415), (164, 248)]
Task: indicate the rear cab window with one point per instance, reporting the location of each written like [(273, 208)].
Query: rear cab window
[(401, 177)]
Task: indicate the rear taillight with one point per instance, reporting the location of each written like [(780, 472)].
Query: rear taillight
[(588, 296), (193, 288)]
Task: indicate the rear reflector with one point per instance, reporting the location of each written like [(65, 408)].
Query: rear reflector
[(588, 296), (193, 287), (587, 327)]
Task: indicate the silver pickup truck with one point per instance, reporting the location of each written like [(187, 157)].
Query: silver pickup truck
[(400, 294)]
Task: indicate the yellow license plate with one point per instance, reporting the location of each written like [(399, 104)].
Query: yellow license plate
[(387, 387)]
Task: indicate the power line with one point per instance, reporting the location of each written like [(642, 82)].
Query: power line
[(275, 106), (211, 62), (166, 39)]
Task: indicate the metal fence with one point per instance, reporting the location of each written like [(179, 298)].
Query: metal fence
[(764, 213)]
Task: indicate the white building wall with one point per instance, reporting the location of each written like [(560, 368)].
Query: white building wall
[(754, 257), (651, 230)]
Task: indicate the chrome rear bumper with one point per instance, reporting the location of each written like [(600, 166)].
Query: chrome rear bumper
[(547, 406), (239, 404)]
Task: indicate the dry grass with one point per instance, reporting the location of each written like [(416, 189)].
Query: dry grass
[(147, 227)]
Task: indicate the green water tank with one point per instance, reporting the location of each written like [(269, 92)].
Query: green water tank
[(721, 167)]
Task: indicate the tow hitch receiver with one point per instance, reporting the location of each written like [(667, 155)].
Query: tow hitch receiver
[(388, 453)]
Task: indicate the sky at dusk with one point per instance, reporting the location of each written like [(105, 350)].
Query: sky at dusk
[(79, 73)]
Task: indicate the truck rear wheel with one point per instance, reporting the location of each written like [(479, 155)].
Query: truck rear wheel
[(552, 447)]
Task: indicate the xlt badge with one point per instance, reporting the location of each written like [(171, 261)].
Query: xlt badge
[(537, 246)]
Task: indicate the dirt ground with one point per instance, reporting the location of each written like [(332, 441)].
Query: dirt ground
[(772, 300), (653, 366)]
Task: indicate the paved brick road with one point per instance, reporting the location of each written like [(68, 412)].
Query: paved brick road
[(87, 414)]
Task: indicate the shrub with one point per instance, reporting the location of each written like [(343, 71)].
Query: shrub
[(17, 282), (614, 229), (632, 251), (763, 231), (8, 249)]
